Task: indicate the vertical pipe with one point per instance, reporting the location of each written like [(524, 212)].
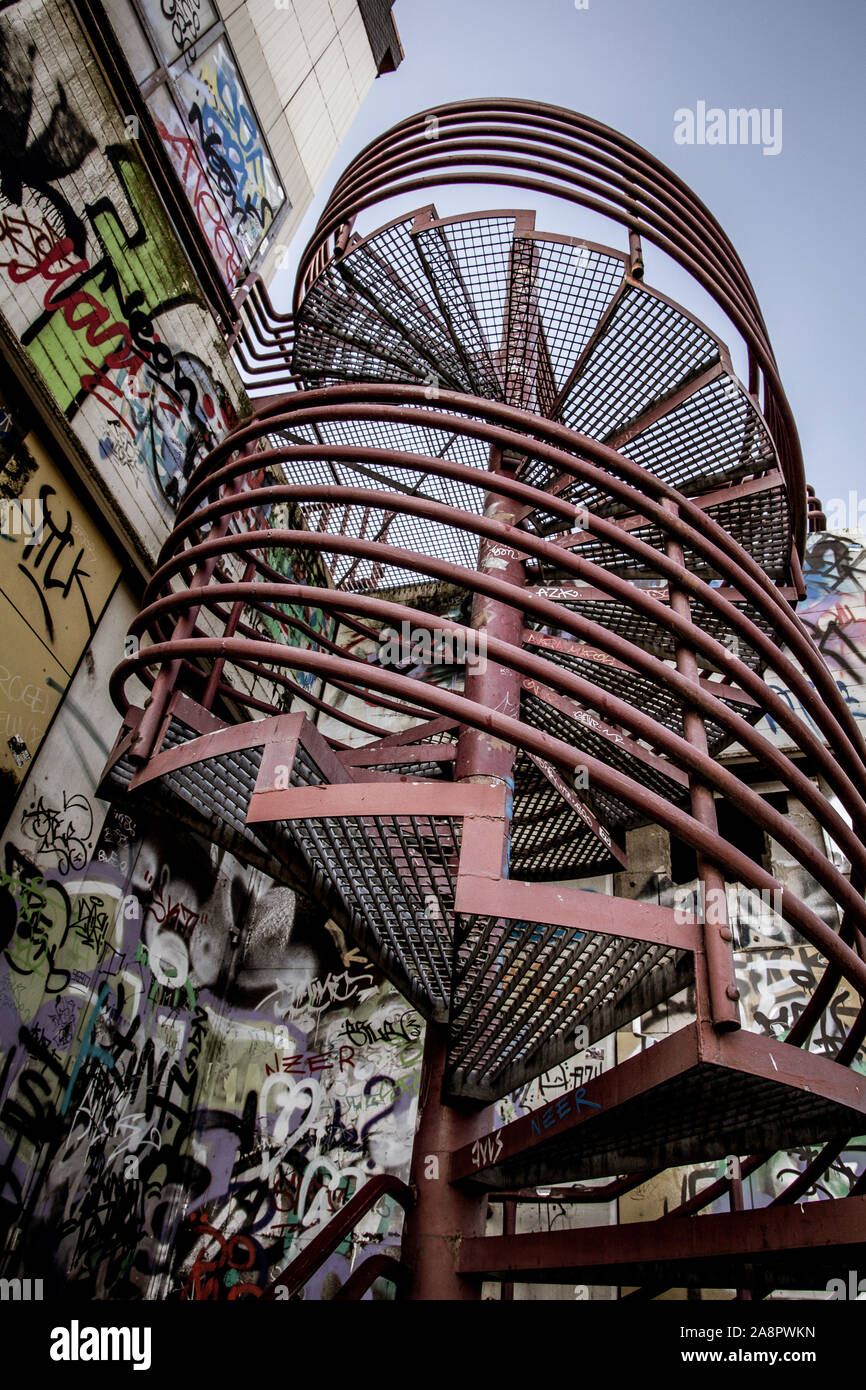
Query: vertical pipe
[(635, 256), (479, 754), (718, 938), (443, 1214), (509, 1227), (737, 1204)]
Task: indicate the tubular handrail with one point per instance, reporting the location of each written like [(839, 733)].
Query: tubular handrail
[(342, 1223), (373, 1268), (551, 442), (627, 185)]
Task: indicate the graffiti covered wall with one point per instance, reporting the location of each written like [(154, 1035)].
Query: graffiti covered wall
[(56, 575), (220, 134), (196, 1068), (92, 280)]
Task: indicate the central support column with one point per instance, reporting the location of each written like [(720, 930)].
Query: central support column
[(496, 687), (480, 756), (718, 938), (443, 1214)]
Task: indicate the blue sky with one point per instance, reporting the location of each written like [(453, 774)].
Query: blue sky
[(796, 219)]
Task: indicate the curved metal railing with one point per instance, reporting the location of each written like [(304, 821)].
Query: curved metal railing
[(219, 582), (644, 593), (560, 153)]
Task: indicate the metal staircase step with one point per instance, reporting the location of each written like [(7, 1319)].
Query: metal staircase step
[(690, 1097)]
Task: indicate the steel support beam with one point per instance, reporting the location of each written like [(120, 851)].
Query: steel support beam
[(640, 1097), (800, 1243), (443, 1215)]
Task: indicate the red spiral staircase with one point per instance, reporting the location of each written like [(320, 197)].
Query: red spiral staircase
[(505, 439)]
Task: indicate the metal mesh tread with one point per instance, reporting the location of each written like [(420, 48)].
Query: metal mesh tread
[(549, 841), (704, 1112), (652, 636), (540, 715), (759, 522), (443, 288), (395, 875), (507, 968), (642, 692), (647, 349)]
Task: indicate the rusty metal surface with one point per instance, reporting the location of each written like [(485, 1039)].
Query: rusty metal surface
[(641, 756), (474, 428), (779, 1248)]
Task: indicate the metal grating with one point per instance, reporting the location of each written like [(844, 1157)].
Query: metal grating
[(714, 436), (454, 301), (574, 285), (478, 259), (633, 687), (549, 841), (518, 985), (387, 271), (646, 350), (653, 636), (438, 256), (540, 715), (396, 874), (760, 522)]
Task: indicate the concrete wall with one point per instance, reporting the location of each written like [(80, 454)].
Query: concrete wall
[(195, 1067), (93, 284)]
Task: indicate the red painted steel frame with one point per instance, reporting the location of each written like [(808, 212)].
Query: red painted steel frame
[(699, 531), (604, 1254), (558, 152), (201, 621)]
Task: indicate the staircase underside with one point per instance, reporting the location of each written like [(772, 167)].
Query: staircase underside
[(776, 1247), (691, 1097), (398, 881), (507, 431)]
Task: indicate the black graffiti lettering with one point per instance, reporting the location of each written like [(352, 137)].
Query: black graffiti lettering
[(64, 831), (60, 149), (197, 1034), (140, 322), (340, 1136), (184, 385), (35, 1123), (52, 550), (222, 170), (186, 20)]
